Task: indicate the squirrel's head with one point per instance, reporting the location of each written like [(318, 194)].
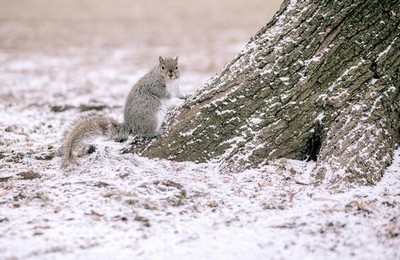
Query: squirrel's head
[(169, 67)]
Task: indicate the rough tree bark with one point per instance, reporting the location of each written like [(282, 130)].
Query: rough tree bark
[(320, 81)]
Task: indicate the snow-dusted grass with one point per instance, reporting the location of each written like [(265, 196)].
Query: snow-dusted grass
[(125, 206)]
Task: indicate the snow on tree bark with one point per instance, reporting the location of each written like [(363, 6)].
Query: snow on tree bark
[(320, 81)]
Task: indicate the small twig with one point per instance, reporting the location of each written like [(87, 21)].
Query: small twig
[(291, 195), (301, 182), (324, 199), (283, 226)]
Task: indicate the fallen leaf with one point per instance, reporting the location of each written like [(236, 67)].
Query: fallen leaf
[(291, 196), (96, 217), (363, 206), (3, 192), (86, 245), (29, 175), (213, 204), (57, 209), (226, 179), (38, 232), (393, 229)]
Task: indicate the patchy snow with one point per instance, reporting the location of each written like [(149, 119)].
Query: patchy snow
[(388, 48), (344, 74), (227, 111), (320, 117), (126, 206), (255, 121)]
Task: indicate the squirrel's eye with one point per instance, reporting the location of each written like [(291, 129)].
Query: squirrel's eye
[(162, 67), (176, 67)]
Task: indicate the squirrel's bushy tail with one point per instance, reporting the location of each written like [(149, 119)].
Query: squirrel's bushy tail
[(86, 126)]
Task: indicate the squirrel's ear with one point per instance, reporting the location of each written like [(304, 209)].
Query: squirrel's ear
[(161, 58), (176, 58)]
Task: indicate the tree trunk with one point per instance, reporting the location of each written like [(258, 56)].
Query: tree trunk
[(318, 82)]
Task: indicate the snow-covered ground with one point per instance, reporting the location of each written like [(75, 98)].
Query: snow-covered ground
[(122, 206), (125, 206)]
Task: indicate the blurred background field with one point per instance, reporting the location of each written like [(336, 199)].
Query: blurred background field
[(205, 34)]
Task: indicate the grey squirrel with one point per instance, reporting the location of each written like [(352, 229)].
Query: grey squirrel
[(143, 113)]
